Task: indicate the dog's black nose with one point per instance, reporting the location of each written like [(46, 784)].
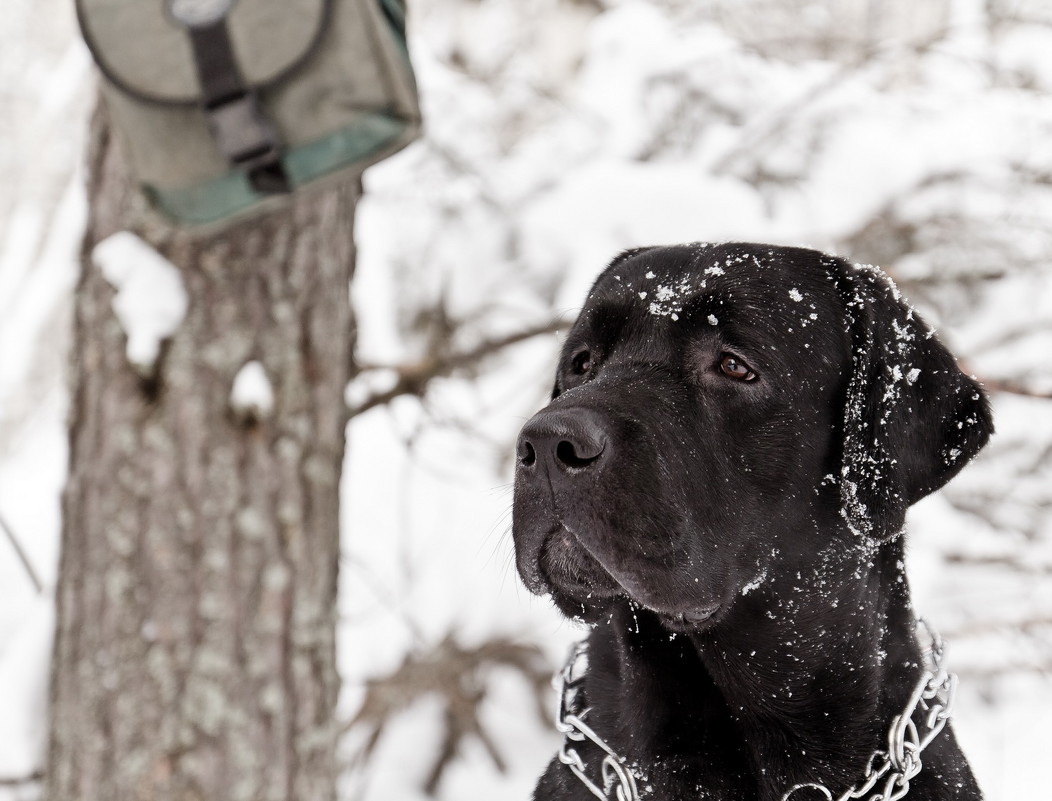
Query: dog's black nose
[(565, 438)]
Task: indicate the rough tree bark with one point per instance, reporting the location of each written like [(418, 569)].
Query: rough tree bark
[(195, 646)]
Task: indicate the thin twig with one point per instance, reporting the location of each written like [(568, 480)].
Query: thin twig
[(459, 676), (19, 781), (414, 378), (1013, 562), (978, 628), (21, 554), (1001, 671), (1015, 388)]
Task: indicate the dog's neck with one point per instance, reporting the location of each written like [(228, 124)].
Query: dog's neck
[(811, 656), (798, 665)]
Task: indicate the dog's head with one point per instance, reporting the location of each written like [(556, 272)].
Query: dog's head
[(711, 399)]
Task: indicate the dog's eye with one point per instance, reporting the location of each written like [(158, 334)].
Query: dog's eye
[(733, 367), (581, 363)]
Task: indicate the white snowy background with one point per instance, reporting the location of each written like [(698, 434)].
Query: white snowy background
[(913, 135)]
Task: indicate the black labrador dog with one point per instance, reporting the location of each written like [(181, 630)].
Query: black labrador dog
[(718, 487)]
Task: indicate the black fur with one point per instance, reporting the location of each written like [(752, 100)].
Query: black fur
[(735, 543)]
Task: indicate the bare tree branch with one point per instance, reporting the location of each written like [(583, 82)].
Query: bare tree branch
[(21, 781), (1001, 671), (458, 676), (21, 554), (1015, 388), (414, 378), (977, 628), (1015, 562)]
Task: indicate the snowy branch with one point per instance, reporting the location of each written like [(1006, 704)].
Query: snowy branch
[(770, 128)]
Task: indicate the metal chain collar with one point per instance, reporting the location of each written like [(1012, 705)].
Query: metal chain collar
[(888, 773), (619, 784)]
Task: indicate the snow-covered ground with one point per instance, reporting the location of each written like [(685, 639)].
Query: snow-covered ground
[(557, 135)]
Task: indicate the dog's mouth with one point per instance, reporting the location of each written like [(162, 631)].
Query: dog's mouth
[(568, 569), (579, 582), (691, 621)]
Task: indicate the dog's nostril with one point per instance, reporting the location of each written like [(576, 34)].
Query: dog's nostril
[(562, 441), (527, 455), (576, 454)]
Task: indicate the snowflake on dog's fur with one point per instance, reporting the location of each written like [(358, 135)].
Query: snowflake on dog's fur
[(668, 300)]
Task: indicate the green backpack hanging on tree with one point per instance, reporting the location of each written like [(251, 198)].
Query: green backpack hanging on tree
[(226, 106)]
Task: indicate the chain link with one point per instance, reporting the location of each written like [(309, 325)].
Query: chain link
[(888, 773), (569, 720)]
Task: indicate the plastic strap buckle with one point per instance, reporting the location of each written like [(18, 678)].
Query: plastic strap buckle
[(242, 131)]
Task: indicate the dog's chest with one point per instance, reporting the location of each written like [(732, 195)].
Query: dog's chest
[(671, 727)]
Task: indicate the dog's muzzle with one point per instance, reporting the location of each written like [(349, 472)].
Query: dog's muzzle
[(561, 454)]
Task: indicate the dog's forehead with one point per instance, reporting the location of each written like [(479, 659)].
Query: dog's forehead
[(781, 291)]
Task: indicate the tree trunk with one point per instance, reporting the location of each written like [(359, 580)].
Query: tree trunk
[(195, 646)]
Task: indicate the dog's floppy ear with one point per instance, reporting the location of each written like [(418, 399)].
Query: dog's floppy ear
[(912, 419)]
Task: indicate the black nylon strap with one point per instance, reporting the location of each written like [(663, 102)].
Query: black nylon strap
[(241, 129), (216, 64)]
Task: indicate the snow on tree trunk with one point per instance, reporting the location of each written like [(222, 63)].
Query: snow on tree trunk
[(195, 644)]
